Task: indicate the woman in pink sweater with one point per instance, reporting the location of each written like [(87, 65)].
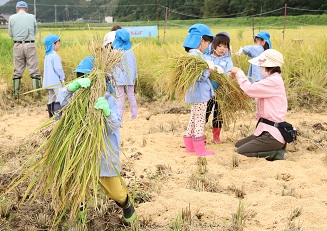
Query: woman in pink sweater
[(266, 141)]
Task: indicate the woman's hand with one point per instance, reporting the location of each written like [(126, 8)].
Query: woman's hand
[(233, 72)]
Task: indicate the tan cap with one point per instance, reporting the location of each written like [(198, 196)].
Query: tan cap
[(269, 58)]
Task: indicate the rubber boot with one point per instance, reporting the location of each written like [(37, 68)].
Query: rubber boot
[(128, 210), (36, 82), (272, 155), (50, 109), (199, 147), (216, 134), (16, 86), (56, 110), (188, 141)]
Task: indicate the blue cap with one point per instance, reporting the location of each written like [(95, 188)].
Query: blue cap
[(85, 66), (195, 34), (122, 40), (21, 4), (49, 42), (265, 36)]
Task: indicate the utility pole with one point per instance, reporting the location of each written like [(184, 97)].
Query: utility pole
[(284, 22), (252, 18), (34, 8), (55, 14), (165, 23)]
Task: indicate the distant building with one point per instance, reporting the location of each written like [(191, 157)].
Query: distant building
[(4, 18), (109, 19)]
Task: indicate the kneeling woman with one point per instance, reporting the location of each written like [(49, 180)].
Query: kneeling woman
[(266, 141)]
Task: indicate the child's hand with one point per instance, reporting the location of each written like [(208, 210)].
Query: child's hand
[(211, 65), (102, 104), (82, 82), (240, 51), (219, 69)]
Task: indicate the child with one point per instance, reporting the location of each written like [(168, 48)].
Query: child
[(125, 73), (197, 41), (266, 140), (84, 67), (220, 49), (110, 36), (53, 76), (261, 43), (109, 180)]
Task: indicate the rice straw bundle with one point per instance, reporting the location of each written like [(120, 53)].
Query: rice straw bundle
[(184, 71), (70, 161)]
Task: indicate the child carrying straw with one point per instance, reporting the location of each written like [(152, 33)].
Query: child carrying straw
[(197, 41), (110, 160), (220, 54)]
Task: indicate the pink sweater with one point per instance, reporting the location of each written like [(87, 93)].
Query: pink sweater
[(271, 103)]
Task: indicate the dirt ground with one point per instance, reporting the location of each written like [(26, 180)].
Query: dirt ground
[(175, 190)]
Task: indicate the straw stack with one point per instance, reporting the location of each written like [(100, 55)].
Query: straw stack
[(70, 157), (184, 71)]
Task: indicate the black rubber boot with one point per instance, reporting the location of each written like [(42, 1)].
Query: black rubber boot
[(128, 210), (50, 109), (272, 155), (56, 110)]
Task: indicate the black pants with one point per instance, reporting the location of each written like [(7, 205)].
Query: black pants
[(217, 120)]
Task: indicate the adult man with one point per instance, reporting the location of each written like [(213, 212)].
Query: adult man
[(22, 28)]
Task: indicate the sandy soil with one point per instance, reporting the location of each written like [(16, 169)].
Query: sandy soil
[(177, 190)]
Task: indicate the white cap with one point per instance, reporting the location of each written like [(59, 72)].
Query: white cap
[(269, 58), (109, 38)]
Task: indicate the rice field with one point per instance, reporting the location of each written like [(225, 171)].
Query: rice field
[(304, 49)]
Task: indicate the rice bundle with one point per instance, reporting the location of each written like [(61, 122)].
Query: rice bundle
[(70, 161), (184, 71)]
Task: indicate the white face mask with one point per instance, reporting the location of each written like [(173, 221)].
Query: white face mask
[(263, 72)]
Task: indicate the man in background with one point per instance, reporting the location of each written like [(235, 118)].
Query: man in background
[(22, 28)]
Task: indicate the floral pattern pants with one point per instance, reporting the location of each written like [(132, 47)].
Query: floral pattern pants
[(195, 127)]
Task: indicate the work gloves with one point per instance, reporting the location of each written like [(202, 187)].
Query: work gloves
[(102, 104), (240, 51), (81, 82), (211, 65)]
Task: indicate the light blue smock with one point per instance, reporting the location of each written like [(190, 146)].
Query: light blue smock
[(125, 73), (110, 160), (254, 71), (53, 73), (202, 91)]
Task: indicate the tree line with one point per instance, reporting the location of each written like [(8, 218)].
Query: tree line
[(134, 10)]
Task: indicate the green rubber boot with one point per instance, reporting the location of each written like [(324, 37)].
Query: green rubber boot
[(273, 155), (36, 82), (16, 86)]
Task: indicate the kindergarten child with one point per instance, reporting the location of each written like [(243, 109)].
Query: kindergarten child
[(261, 43), (125, 73), (53, 75), (84, 67), (197, 41), (110, 160), (220, 53)]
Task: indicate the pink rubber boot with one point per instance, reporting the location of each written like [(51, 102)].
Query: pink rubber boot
[(216, 134), (188, 141), (199, 147)]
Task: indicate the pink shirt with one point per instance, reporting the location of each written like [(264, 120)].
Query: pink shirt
[(271, 101)]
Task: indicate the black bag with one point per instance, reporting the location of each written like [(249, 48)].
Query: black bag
[(286, 129)]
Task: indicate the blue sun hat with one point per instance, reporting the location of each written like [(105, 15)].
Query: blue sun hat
[(265, 36), (49, 42), (85, 66), (195, 34), (21, 4), (122, 40)]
